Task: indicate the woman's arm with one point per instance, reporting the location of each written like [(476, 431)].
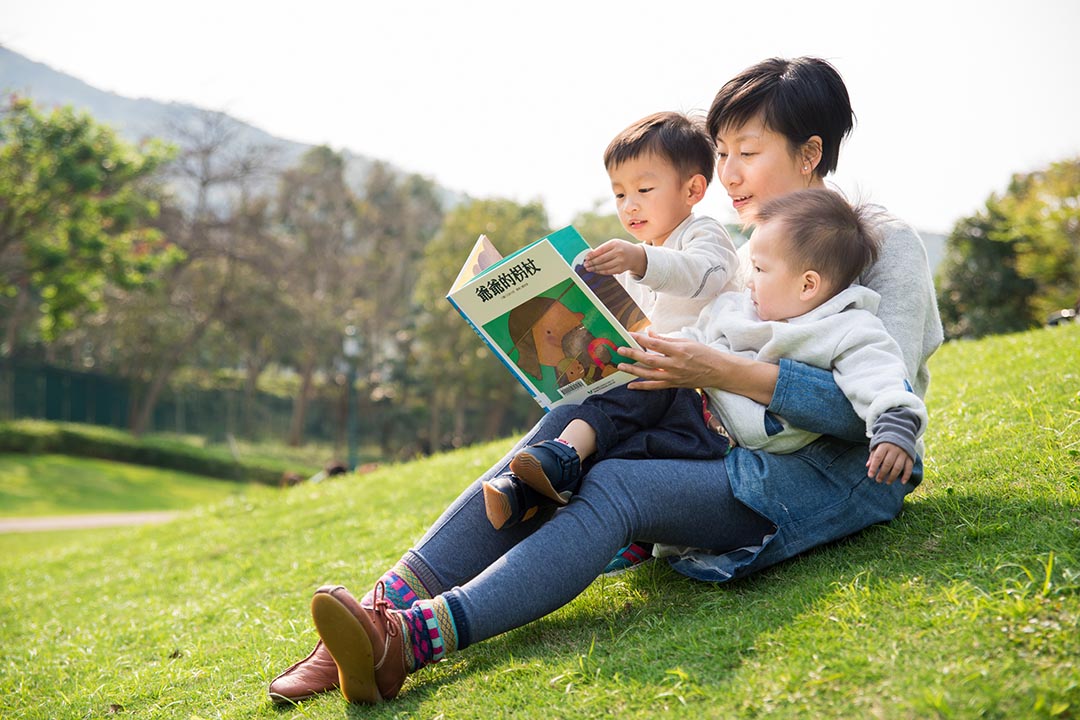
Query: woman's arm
[(908, 307), (669, 362), (809, 398)]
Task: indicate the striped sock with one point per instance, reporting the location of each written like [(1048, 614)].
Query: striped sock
[(403, 587), (431, 631)]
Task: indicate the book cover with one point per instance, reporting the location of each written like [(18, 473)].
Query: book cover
[(553, 324)]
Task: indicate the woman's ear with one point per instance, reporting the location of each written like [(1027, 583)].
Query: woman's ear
[(810, 154), (695, 189)]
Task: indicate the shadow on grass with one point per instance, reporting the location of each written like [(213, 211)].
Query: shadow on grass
[(975, 537)]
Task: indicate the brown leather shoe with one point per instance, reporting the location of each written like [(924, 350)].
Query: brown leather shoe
[(317, 673), (367, 644)]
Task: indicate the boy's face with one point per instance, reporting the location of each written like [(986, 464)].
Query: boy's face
[(775, 287), (650, 197)]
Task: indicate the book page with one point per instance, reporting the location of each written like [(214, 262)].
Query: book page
[(483, 256)]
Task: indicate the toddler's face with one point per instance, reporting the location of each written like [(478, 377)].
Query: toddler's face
[(775, 287), (650, 197)]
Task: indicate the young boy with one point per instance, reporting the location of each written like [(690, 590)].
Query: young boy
[(806, 250), (660, 167)]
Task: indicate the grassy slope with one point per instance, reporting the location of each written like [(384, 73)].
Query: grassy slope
[(60, 484), (968, 605)]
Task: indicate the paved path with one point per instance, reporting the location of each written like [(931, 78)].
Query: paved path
[(80, 522)]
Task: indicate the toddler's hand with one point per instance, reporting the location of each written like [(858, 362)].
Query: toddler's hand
[(616, 256), (888, 462)]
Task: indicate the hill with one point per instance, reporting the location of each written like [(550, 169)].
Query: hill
[(966, 606), (138, 118)]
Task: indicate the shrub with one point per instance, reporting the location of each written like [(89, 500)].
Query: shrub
[(36, 437)]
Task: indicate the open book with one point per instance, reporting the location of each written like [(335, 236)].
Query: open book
[(554, 325)]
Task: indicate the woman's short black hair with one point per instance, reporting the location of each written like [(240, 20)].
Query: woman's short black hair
[(797, 98)]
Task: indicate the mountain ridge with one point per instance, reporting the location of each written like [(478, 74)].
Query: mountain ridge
[(136, 119)]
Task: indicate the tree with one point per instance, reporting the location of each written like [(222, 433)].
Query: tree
[(74, 216), (597, 228), (461, 377), (323, 264), (1044, 211), (1007, 267), (980, 290), (398, 217), (211, 214), (256, 325)]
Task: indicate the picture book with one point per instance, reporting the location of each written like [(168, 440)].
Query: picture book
[(552, 323)]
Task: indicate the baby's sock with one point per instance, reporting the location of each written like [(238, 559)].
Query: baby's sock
[(431, 631), (568, 444)]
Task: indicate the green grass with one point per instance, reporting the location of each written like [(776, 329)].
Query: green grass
[(311, 456), (966, 606), (33, 485)]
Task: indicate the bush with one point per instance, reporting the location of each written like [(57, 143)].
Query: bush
[(36, 437)]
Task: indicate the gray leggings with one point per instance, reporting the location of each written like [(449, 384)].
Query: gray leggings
[(499, 580)]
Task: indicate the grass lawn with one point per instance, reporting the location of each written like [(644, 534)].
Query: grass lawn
[(35, 485), (966, 606), (308, 458)]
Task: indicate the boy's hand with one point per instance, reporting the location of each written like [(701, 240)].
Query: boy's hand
[(616, 256), (888, 462)]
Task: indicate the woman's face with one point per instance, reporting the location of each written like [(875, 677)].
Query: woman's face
[(755, 165)]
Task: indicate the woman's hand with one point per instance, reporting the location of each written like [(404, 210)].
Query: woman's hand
[(669, 362), (888, 462)]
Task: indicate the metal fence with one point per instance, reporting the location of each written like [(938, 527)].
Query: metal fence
[(60, 394)]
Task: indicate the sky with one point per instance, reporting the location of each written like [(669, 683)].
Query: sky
[(496, 98)]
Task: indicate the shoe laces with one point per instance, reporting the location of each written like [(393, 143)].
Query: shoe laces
[(383, 607)]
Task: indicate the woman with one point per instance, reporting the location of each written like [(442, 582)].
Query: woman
[(778, 127)]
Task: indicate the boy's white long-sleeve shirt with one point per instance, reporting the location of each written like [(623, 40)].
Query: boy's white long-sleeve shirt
[(695, 264), (842, 334)]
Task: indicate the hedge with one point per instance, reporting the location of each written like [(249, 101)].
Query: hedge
[(36, 437)]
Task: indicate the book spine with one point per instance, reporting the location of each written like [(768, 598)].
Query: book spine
[(495, 351)]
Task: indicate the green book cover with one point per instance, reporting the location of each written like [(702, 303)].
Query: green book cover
[(553, 324)]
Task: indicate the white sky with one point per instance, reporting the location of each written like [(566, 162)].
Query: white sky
[(519, 100)]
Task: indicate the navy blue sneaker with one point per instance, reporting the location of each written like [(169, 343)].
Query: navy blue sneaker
[(551, 468), (508, 501)]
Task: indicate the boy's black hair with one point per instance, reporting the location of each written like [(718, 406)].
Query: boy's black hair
[(797, 98), (678, 138), (823, 232)]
